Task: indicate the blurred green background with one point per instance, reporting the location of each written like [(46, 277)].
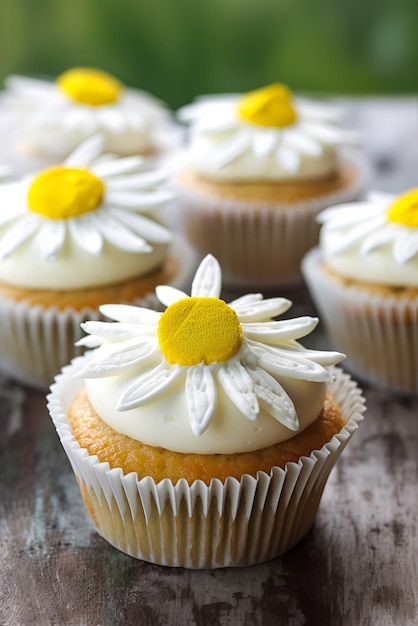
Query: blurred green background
[(177, 49)]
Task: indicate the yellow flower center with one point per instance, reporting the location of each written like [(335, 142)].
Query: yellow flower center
[(270, 106), (90, 86), (193, 330), (404, 210), (63, 192)]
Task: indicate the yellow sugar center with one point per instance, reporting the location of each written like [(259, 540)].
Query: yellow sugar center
[(404, 210), (63, 192), (270, 106), (90, 86), (193, 330)]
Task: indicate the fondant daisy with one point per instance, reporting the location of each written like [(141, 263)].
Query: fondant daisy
[(268, 122), (90, 199), (200, 340), (58, 115), (381, 220)]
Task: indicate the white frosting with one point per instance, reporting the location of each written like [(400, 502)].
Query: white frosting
[(224, 147), (53, 124), (271, 388), (119, 240), (75, 268), (359, 242), (164, 422)]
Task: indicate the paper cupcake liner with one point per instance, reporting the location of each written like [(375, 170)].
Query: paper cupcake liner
[(378, 333), (36, 342), (258, 244), (236, 523)]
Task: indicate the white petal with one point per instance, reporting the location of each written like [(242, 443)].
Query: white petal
[(232, 149), (318, 111), (212, 125), (86, 152), (283, 330), (348, 213), (264, 142), (282, 363), (129, 314), (150, 384), (10, 212), (138, 353), (210, 114), (85, 234), (207, 281), (89, 341), (118, 235), (112, 119), (256, 311), (18, 233), (323, 357), (51, 237), (138, 199), (273, 398), (405, 247), (302, 143), (351, 237), (247, 298), (201, 397), (74, 120), (168, 295), (143, 226), (113, 167), (236, 382), (378, 238), (144, 180), (289, 159), (112, 331), (28, 86), (324, 132), (214, 118)]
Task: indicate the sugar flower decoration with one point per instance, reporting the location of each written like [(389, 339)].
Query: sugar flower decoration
[(82, 102), (91, 198), (381, 220), (267, 122), (200, 339)]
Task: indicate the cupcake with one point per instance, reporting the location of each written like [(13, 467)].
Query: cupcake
[(54, 117), (72, 237), (256, 170), (203, 436), (363, 278)]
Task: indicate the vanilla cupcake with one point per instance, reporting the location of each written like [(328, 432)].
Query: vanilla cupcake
[(257, 169), (72, 237), (203, 436), (54, 117), (364, 281)]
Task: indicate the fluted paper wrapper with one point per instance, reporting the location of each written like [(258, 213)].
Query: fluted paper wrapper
[(236, 523), (259, 244), (378, 333), (36, 342)]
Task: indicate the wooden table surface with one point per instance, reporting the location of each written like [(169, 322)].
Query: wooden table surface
[(357, 566)]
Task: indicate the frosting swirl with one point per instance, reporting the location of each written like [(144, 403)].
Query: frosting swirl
[(375, 240), (265, 135), (205, 376)]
